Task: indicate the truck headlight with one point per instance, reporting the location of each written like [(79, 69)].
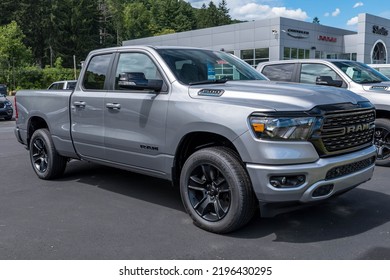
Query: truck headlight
[(282, 128)]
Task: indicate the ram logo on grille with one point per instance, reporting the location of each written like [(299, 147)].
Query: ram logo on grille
[(357, 128)]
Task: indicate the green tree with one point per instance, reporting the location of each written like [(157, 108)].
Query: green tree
[(223, 14), (13, 53), (136, 21), (34, 19), (7, 11), (212, 15), (76, 27), (316, 20)]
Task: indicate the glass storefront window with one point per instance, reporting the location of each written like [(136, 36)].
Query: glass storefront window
[(286, 53), (255, 56), (294, 53)]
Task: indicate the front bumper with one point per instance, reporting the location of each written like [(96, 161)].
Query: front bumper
[(339, 173)]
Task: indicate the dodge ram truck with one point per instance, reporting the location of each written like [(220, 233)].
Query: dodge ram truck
[(231, 140)]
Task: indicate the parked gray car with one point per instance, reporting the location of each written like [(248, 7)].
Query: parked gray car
[(231, 140), (352, 75)]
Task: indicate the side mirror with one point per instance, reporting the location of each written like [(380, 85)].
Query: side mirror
[(137, 81), (328, 81)]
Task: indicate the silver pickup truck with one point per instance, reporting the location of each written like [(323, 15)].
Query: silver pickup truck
[(232, 141)]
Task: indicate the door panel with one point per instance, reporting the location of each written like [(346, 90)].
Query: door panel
[(87, 109), (135, 119)]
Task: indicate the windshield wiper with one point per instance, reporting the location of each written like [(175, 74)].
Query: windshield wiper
[(205, 82)]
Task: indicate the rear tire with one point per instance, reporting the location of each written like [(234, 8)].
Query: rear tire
[(216, 190), (45, 160), (382, 141)]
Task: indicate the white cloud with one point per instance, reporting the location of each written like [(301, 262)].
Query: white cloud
[(326, 14), (358, 4), (253, 11), (352, 21), (336, 12)]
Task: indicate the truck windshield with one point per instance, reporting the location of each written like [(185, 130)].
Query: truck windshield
[(197, 66), (360, 73)]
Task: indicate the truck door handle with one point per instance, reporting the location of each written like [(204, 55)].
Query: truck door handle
[(114, 106), (80, 104)]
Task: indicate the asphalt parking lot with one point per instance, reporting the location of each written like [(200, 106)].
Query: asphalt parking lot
[(96, 212)]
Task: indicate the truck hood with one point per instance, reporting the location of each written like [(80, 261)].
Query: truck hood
[(382, 87), (278, 96)]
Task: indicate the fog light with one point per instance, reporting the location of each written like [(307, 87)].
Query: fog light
[(323, 190), (287, 181)]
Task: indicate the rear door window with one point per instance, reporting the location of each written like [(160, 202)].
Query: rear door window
[(279, 72), (96, 73)]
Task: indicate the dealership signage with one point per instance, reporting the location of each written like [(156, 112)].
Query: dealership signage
[(380, 30), (298, 34), (327, 38)]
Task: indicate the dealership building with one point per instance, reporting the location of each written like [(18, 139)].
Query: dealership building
[(284, 38)]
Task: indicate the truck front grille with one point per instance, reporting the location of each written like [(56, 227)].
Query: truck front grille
[(345, 132)]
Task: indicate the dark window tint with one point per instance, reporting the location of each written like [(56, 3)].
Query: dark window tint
[(279, 72), (71, 85), (96, 72)]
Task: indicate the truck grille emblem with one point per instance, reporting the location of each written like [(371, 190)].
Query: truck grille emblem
[(357, 128)]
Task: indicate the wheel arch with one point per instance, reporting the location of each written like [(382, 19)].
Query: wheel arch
[(195, 141), (34, 124)]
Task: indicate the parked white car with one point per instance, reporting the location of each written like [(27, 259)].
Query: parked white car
[(63, 85), (383, 68)]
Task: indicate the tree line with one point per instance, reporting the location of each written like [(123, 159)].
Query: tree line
[(51, 29)]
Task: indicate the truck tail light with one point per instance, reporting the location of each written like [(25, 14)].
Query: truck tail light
[(16, 109)]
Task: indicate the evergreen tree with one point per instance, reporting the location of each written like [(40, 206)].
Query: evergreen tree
[(136, 21), (76, 29), (223, 14), (33, 18)]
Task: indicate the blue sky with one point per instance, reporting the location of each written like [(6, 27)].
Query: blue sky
[(341, 13)]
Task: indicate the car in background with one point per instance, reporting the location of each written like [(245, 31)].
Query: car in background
[(3, 89), (383, 68), (6, 109), (69, 84), (355, 76)]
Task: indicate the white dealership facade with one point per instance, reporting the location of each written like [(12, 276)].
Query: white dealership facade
[(284, 38)]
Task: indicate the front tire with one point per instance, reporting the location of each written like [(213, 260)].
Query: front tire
[(45, 160), (382, 141), (216, 190)]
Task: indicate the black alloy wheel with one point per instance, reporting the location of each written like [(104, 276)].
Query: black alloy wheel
[(382, 141), (209, 193), (216, 190), (45, 160), (39, 155)]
